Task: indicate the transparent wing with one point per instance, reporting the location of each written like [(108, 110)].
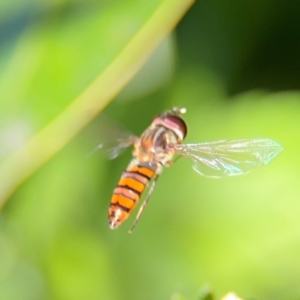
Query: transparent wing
[(114, 138), (112, 149), (229, 158)]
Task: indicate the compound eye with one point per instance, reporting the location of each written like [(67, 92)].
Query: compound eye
[(177, 124)]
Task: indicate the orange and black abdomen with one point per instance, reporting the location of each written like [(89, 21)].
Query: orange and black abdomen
[(128, 192)]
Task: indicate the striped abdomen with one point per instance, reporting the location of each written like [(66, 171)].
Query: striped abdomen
[(128, 192)]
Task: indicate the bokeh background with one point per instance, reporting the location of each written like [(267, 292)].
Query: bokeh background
[(235, 66)]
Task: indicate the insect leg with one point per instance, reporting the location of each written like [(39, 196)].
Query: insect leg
[(176, 159), (172, 162), (144, 204)]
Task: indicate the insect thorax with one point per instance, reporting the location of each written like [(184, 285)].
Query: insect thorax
[(154, 145)]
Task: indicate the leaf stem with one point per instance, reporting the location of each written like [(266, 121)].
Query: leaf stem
[(45, 144)]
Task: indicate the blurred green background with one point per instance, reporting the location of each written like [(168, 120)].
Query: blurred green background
[(235, 66)]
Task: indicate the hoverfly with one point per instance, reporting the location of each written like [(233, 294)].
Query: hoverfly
[(156, 148)]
